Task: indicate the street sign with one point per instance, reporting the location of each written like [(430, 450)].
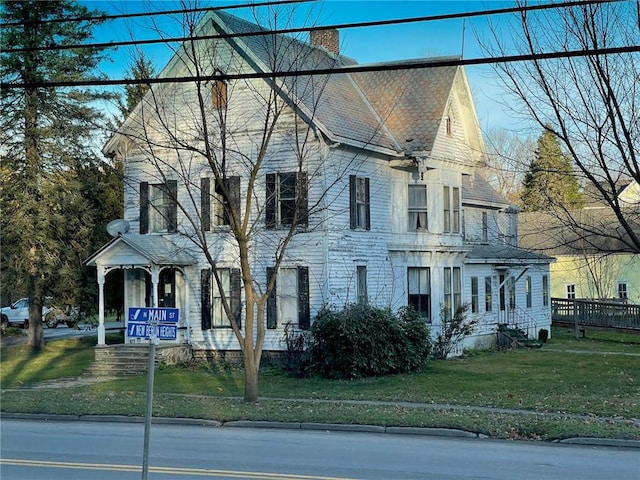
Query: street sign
[(158, 315), (144, 330)]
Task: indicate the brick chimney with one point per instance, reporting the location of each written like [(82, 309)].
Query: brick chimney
[(329, 39)]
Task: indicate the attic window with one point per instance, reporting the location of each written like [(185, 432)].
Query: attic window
[(447, 121), (219, 94)]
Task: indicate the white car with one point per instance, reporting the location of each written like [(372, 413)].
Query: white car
[(17, 314)]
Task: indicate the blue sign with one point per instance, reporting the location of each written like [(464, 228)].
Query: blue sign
[(154, 315), (143, 330)]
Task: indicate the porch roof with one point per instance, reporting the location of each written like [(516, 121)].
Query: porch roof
[(505, 255), (135, 249)]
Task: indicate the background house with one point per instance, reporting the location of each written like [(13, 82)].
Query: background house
[(383, 187), (593, 259)]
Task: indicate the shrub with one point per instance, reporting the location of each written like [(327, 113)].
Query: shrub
[(453, 330), (364, 341)]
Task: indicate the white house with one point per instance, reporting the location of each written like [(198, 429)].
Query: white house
[(378, 166)]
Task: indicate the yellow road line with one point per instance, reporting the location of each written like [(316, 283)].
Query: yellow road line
[(201, 472)]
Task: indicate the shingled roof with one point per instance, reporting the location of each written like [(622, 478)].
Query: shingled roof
[(398, 110)]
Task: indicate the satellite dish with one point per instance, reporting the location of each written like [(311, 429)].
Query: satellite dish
[(118, 227)]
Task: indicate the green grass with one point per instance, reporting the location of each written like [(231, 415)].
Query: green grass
[(544, 380)]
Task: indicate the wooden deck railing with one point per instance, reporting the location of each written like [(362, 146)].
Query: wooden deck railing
[(586, 313)]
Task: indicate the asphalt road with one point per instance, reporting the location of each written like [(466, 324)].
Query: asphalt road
[(109, 451)]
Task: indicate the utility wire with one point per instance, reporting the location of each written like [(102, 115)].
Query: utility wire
[(373, 67), (376, 23), (163, 12)]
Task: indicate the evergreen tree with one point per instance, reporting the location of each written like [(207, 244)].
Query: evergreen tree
[(550, 182), (141, 68), (46, 132)]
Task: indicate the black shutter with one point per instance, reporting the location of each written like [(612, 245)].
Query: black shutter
[(272, 313), (233, 190), (353, 205), (303, 202), (368, 200), (144, 207), (234, 296), (270, 202), (304, 317), (205, 294), (172, 191), (205, 204)]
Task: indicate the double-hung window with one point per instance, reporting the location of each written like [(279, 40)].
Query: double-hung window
[(361, 284), (512, 293), (451, 209), (286, 201), (527, 291), (214, 314), (545, 290), (158, 207), (488, 295), (571, 290), (623, 291), (452, 290), (485, 227), (288, 301), (474, 295), (216, 206), (359, 204), (418, 208), (419, 287)]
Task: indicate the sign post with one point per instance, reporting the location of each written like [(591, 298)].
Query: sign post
[(153, 340), (155, 324)]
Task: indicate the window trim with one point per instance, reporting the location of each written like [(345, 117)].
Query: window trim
[(545, 290), (570, 291), (528, 291)]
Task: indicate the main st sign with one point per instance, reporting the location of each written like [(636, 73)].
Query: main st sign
[(143, 322)]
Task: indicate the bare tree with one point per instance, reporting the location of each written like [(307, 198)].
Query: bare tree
[(591, 103), (507, 159), (218, 139)]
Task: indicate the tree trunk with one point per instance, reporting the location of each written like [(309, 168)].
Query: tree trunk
[(251, 366), (250, 377), (35, 338)]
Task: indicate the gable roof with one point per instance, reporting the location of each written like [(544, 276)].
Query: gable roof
[(380, 110), (142, 249), (394, 112)]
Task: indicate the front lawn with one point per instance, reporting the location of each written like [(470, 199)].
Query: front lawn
[(601, 386)]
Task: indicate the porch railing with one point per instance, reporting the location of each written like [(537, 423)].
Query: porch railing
[(516, 317), (615, 315)]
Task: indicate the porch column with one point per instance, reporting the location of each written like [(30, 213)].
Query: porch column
[(101, 330), (155, 280)]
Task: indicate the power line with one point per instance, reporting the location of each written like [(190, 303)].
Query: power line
[(373, 67), (163, 12), (376, 23)]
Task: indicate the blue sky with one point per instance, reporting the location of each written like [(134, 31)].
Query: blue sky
[(366, 45)]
